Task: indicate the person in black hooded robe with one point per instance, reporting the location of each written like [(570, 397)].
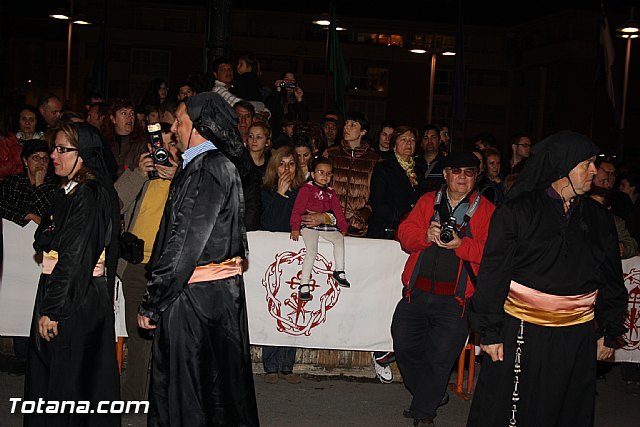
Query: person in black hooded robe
[(550, 298), (201, 368), (72, 341)]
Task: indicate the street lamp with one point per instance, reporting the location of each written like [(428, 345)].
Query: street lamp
[(628, 30), (434, 46), (73, 19)]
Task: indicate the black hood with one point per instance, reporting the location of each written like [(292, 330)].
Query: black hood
[(551, 159)]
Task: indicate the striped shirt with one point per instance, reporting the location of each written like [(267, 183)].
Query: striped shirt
[(191, 152)]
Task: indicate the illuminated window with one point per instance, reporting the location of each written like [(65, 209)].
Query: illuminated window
[(384, 39)]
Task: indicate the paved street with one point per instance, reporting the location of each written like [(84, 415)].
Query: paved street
[(355, 399)]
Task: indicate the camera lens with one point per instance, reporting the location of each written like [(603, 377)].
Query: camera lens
[(446, 236), (160, 156)]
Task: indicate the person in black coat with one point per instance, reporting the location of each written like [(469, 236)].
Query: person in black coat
[(282, 180), (71, 352), (395, 187)]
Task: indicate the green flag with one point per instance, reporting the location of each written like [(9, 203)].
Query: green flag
[(337, 67)]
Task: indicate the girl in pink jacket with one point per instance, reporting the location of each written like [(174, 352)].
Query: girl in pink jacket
[(317, 196)]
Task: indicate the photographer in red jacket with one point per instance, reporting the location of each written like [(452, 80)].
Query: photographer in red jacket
[(445, 235)]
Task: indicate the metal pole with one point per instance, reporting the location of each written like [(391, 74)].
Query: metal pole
[(432, 81), (625, 84), (67, 84)]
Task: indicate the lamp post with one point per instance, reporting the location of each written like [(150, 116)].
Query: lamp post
[(434, 46), (629, 30), (73, 19)]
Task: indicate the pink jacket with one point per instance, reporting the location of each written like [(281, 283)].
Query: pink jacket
[(317, 199)]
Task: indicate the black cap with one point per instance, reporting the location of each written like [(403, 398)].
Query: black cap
[(461, 159), (34, 146)]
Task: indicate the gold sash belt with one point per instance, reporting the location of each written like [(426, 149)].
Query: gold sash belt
[(543, 309), (50, 259)]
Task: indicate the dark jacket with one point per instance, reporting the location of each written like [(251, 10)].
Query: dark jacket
[(392, 197), (276, 210), (352, 170)]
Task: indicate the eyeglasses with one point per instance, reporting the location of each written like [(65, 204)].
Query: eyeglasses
[(469, 172), (36, 158), (524, 145), (61, 149)]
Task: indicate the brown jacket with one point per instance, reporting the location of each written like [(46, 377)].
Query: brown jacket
[(352, 171)]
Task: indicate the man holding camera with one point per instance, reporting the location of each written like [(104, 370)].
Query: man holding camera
[(143, 193), (445, 235)]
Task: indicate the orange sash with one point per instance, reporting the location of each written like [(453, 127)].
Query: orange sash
[(50, 259), (206, 273), (543, 309)]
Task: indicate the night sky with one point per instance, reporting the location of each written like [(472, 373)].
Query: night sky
[(493, 13)]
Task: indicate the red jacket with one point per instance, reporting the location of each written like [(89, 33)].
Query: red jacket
[(412, 234)]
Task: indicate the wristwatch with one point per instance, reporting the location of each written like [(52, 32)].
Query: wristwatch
[(330, 219)]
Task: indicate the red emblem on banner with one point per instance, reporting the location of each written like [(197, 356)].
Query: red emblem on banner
[(281, 281), (632, 323)]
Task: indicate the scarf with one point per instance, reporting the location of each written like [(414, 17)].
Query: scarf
[(408, 167)]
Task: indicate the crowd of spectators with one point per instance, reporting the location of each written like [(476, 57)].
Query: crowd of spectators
[(378, 174)]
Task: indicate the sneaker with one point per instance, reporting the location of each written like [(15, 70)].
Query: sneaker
[(290, 377), (304, 292), (383, 373), (271, 378), (341, 278)]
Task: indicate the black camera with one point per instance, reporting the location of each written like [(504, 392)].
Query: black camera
[(159, 154), (447, 230), (287, 84)]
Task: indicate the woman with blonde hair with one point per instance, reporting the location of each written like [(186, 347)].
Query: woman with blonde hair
[(282, 180)]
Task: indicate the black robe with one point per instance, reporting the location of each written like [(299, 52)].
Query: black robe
[(201, 368), (80, 363), (532, 242)]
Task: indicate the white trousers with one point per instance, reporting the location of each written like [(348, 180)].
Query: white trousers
[(310, 237)]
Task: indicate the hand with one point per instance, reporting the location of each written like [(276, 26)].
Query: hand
[(33, 217), (496, 351), (39, 176), (312, 219), (145, 164), (277, 84), (284, 183), (433, 236), (47, 328), (433, 232), (144, 322), (167, 172), (604, 352), (298, 92), (295, 235), (453, 244)]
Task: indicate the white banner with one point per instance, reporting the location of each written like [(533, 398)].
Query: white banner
[(355, 318), (631, 351), (18, 279)]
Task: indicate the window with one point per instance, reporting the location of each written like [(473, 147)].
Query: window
[(369, 78), (394, 40), (150, 62), (443, 83)]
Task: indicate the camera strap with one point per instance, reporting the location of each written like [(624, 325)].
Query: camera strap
[(135, 205), (473, 207)]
